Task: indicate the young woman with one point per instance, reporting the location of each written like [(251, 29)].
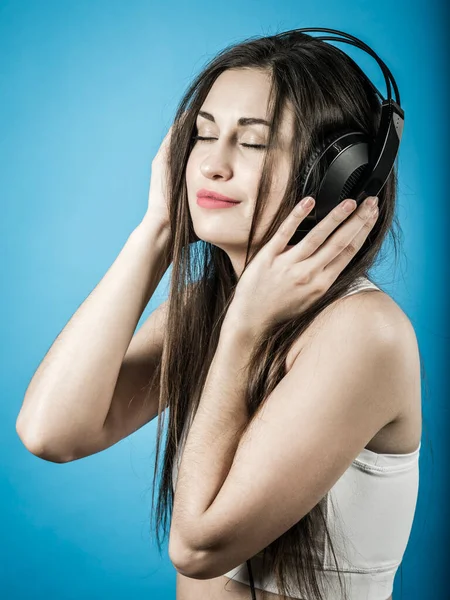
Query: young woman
[(292, 381)]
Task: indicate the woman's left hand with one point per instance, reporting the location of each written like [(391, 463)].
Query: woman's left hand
[(282, 281)]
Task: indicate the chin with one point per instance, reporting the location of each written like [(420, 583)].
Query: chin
[(221, 242), (219, 236)]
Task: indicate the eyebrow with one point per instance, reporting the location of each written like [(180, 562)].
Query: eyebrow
[(242, 122)]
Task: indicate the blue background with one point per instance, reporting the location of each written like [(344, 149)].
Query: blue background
[(88, 91)]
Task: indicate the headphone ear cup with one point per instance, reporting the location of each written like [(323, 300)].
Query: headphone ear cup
[(336, 169), (311, 172)]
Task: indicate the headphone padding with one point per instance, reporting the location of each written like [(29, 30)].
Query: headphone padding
[(318, 151)]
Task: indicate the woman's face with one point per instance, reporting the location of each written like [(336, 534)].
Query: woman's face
[(227, 166)]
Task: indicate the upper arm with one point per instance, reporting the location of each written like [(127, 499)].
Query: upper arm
[(134, 402)]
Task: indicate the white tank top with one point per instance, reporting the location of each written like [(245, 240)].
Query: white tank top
[(369, 520)]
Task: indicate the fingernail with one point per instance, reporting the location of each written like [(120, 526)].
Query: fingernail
[(307, 202), (372, 201), (349, 205)]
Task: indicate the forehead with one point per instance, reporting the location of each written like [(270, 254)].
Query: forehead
[(240, 90), (238, 93)]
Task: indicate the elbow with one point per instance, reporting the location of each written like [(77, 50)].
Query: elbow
[(35, 444), (195, 566), (188, 565), (189, 562)]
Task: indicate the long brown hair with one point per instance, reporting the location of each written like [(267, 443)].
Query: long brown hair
[(327, 91)]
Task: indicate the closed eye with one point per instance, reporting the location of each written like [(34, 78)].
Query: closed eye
[(202, 139)]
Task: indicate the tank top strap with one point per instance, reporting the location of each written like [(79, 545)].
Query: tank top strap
[(361, 283)]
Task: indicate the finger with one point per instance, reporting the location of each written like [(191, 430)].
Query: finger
[(278, 242), (319, 234), (342, 240), (167, 138), (164, 146), (345, 255)]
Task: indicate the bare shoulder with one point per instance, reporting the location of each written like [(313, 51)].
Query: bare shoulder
[(373, 312), (374, 323), (379, 310)]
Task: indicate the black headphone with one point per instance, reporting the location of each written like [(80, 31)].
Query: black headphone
[(354, 165)]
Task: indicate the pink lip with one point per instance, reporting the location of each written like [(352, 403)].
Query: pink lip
[(203, 193), (208, 202)]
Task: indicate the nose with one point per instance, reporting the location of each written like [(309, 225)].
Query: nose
[(216, 165)]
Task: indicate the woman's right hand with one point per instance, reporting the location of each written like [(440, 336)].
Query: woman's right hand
[(157, 211)]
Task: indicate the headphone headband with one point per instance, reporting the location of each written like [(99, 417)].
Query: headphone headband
[(359, 44)]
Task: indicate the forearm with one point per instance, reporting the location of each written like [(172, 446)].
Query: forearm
[(213, 437), (69, 395)]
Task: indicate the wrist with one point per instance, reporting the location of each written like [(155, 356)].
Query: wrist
[(236, 326), (156, 237), (150, 225)]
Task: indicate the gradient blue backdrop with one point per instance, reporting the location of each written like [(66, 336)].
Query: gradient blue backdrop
[(88, 90)]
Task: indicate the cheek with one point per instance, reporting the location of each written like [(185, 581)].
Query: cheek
[(280, 178), (191, 170)]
